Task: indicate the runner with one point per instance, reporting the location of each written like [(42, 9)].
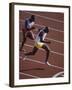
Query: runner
[(27, 31), (40, 43)]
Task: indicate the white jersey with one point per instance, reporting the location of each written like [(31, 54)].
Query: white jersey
[(29, 24), (38, 38)]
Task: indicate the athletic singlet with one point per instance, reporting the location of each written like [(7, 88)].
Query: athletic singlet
[(38, 42), (28, 24), (38, 38)]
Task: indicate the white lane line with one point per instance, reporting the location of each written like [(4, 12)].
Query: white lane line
[(52, 39), (55, 40), (44, 17), (57, 30), (28, 75), (49, 28), (55, 66), (57, 53), (57, 74), (33, 60), (43, 50), (51, 65)]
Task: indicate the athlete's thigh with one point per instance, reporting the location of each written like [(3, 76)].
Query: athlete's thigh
[(45, 47), (23, 32), (34, 49), (30, 35)]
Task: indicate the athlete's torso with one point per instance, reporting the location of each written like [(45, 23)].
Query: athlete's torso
[(40, 35), (28, 24)]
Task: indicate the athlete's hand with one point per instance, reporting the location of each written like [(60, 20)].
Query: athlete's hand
[(49, 42)]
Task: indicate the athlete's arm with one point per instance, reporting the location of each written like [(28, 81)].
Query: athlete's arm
[(42, 37), (44, 41)]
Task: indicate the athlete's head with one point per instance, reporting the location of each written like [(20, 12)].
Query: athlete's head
[(46, 30), (32, 18)]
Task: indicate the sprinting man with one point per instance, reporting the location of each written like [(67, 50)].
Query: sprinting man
[(27, 31), (40, 43)]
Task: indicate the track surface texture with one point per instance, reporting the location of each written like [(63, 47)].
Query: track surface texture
[(34, 66)]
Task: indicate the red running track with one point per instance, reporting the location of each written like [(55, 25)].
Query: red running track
[(34, 66)]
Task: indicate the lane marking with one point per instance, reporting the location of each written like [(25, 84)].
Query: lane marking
[(57, 74), (55, 66), (58, 30), (55, 40), (44, 17), (29, 75), (51, 39), (43, 50), (29, 59)]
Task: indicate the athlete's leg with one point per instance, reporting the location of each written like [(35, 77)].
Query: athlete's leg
[(30, 35), (47, 52), (33, 51), (32, 28), (24, 40)]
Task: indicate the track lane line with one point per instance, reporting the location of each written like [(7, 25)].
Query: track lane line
[(43, 50), (44, 17), (57, 74), (50, 39), (44, 26), (29, 75), (50, 28), (29, 59), (55, 40)]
